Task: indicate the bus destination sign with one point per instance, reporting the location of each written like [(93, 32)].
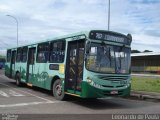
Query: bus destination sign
[(113, 37)]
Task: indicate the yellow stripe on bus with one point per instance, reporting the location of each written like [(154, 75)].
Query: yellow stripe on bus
[(29, 84), (72, 94)]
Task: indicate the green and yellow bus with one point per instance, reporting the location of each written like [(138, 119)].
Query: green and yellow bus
[(91, 64)]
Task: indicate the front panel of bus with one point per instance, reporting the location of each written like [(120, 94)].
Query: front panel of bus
[(107, 65)]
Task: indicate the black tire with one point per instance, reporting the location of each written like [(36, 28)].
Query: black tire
[(18, 79), (58, 93)]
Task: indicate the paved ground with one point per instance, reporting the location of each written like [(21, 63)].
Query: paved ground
[(25, 100)]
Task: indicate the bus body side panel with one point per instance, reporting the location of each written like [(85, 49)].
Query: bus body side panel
[(41, 74), (17, 67), (52, 74), (7, 69), (23, 71), (12, 65), (8, 63)]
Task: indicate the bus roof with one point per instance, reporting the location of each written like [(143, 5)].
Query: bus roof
[(65, 36), (54, 38)]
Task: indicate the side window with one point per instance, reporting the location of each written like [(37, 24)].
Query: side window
[(13, 59), (18, 56), (24, 54), (32, 56), (43, 53), (8, 55), (57, 52)]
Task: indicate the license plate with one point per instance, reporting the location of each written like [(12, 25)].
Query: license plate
[(114, 92)]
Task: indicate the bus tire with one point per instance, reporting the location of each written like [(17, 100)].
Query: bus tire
[(18, 82), (57, 90)]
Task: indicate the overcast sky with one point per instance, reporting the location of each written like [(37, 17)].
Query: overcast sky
[(40, 19)]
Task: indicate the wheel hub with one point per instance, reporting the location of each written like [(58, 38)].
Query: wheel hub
[(59, 90)]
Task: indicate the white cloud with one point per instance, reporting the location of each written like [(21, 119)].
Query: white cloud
[(4, 8)]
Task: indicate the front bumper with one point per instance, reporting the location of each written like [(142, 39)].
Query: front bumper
[(93, 92)]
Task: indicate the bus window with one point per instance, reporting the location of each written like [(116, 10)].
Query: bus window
[(13, 59), (57, 52), (8, 55), (18, 57), (43, 53), (24, 54)]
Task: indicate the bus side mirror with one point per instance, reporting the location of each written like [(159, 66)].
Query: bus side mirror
[(87, 50), (129, 36)]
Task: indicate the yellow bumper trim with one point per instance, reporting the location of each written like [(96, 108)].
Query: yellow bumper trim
[(29, 84), (72, 94)]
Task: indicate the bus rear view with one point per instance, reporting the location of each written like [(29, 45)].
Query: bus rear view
[(107, 65)]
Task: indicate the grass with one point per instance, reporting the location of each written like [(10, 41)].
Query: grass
[(148, 84)]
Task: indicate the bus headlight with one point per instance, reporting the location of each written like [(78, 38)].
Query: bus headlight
[(89, 80), (129, 83), (92, 83), (95, 85)]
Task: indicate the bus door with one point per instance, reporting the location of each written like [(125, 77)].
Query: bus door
[(74, 70), (12, 68), (31, 64)]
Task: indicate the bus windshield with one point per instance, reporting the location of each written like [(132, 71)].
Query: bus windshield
[(105, 58)]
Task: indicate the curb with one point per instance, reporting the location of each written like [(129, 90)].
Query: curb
[(145, 95)]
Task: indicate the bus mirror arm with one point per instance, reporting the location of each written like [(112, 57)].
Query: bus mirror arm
[(87, 50), (129, 36), (88, 46), (85, 57)]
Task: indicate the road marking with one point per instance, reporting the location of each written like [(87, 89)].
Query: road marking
[(2, 76), (11, 93), (14, 93), (24, 104), (3, 94), (46, 101), (26, 92)]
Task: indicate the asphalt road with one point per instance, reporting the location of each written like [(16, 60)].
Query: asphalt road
[(26, 100)]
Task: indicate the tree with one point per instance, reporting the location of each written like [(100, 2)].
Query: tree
[(147, 51), (135, 51)]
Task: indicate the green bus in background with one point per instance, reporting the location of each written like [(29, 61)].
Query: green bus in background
[(90, 64)]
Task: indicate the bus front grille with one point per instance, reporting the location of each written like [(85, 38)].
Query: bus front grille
[(109, 86), (112, 78)]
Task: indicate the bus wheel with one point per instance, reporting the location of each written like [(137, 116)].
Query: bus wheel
[(18, 83), (57, 90)]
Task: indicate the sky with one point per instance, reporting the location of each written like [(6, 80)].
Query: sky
[(42, 19)]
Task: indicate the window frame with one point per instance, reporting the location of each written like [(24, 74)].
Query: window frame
[(19, 50), (37, 57), (22, 55), (62, 49), (9, 59)]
